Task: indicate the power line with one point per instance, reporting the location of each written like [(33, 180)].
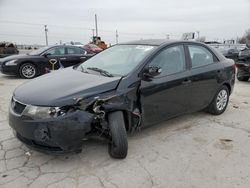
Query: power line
[(77, 27), (36, 36), (41, 24)]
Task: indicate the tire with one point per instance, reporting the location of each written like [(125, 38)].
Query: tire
[(118, 146), (28, 71), (243, 79), (220, 101)]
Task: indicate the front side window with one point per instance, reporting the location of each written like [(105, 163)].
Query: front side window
[(118, 60), (56, 51), (171, 60), (200, 56)]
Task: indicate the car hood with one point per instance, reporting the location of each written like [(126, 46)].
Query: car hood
[(61, 87)]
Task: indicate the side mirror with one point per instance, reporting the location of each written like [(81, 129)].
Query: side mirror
[(152, 71), (46, 54)]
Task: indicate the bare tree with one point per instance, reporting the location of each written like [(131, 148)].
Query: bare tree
[(246, 37)]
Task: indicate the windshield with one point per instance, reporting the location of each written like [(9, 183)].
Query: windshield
[(117, 60), (39, 51)]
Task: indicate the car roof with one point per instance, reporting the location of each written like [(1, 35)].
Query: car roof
[(63, 45), (153, 42), (157, 42), (164, 42)]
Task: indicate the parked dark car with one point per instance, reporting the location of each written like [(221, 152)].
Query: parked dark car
[(231, 53), (244, 54), (92, 48), (43, 60), (7, 49), (126, 87), (243, 65)]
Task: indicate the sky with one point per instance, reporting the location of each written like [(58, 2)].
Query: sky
[(22, 21)]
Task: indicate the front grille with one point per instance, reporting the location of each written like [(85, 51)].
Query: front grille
[(17, 107)]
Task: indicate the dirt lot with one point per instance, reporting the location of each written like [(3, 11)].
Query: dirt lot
[(197, 150)]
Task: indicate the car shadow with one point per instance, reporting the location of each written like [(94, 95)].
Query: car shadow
[(97, 149), (10, 77)]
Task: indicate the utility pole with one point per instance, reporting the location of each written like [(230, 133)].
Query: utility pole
[(116, 36), (46, 34), (93, 34), (198, 33), (96, 25)]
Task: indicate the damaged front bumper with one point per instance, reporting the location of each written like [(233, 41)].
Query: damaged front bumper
[(54, 135)]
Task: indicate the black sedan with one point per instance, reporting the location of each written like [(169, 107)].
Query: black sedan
[(43, 60), (243, 64), (231, 53), (118, 91)]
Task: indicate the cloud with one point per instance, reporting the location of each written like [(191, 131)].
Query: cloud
[(72, 20)]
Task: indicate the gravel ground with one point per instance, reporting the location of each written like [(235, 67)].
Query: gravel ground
[(196, 150)]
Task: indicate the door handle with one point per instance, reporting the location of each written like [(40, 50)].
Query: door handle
[(63, 58), (186, 81), (82, 57)]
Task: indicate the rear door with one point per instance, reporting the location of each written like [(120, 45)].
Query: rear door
[(166, 95), (75, 55), (206, 73)]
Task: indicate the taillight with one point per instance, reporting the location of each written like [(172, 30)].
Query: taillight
[(234, 67)]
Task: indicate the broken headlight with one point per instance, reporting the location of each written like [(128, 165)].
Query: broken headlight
[(38, 112)]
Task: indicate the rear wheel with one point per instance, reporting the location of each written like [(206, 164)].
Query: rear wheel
[(118, 146), (243, 79), (220, 101), (27, 70)]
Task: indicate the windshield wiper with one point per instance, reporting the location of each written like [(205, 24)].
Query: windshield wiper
[(82, 69), (101, 71)]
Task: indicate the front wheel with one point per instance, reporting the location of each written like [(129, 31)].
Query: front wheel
[(28, 70), (220, 101), (118, 146)]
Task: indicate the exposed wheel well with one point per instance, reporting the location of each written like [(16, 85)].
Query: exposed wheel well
[(228, 87)]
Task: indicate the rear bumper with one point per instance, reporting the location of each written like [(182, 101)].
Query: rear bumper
[(54, 135), (243, 70), (243, 74)]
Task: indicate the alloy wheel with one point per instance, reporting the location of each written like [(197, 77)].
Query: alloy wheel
[(28, 71), (221, 100)]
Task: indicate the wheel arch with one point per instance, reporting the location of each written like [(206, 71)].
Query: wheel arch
[(31, 62), (228, 87)]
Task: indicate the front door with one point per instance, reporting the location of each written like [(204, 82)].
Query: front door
[(56, 58), (166, 95)]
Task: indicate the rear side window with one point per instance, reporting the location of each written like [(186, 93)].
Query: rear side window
[(200, 56), (83, 52), (56, 51), (72, 50), (171, 60)]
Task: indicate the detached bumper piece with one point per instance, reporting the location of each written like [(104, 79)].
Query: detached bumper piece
[(55, 135)]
